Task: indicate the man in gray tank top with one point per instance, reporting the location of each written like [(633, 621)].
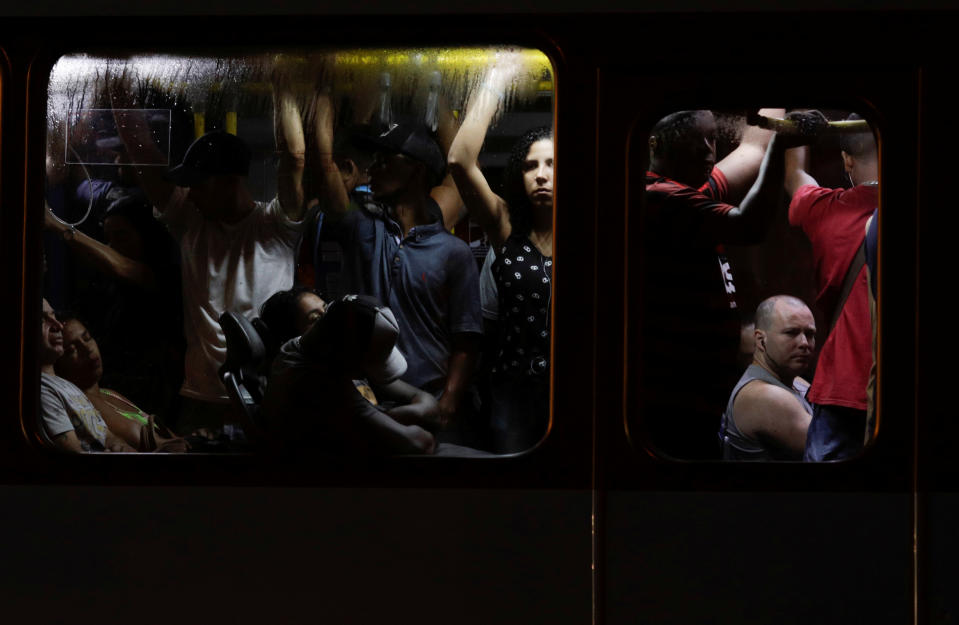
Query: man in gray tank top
[(767, 415)]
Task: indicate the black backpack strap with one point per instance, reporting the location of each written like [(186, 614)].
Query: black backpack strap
[(857, 263)]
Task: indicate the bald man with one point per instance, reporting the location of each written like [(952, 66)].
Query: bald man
[(767, 416)]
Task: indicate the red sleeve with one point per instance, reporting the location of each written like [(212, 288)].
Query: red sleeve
[(805, 208), (717, 187)]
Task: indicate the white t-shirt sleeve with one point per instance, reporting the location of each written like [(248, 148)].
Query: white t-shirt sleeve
[(56, 420), (287, 229)]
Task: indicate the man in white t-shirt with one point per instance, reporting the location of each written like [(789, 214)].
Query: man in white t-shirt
[(236, 253), (67, 416)]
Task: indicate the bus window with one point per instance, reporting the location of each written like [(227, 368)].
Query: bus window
[(291, 250), (754, 343)]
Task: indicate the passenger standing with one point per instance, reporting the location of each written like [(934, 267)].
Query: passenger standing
[(690, 325), (520, 230), (236, 253), (835, 222)]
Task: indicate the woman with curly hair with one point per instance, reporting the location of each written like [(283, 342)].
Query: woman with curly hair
[(520, 230)]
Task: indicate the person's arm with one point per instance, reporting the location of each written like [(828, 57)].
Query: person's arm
[(748, 222), (447, 194), (742, 164), (334, 195), (134, 131), (382, 431), (103, 257), (417, 406), (772, 414), (797, 162), (115, 443), (68, 442), (462, 360), (291, 149), (485, 207)]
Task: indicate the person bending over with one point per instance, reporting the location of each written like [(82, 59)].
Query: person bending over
[(313, 403)]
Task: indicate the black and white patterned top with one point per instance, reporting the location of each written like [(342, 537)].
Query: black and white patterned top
[(524, 279)]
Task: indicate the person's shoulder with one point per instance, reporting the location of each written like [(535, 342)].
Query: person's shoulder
[(764, 400)]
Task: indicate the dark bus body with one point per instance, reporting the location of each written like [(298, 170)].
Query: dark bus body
[(588, 527)]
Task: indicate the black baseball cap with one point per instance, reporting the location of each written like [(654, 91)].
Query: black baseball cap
[(413, 140), (216, 152)]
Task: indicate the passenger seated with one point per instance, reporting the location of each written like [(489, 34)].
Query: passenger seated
[(312, 402), (81, 364), (67, 416), (767, 415), (136, 284), (290, 313)]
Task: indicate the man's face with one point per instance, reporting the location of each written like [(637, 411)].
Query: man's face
[(694, 155), (538, 173), (51, 336), (208, 195), (80, 363), (790, 340), (391, 173), (309, 309)]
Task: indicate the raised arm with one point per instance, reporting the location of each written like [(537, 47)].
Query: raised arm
[(103, 257), (486, 208), (134, 131), (748, 222), (291, 149), (797, 164), (334, 194), (742, 164), (447, 194)]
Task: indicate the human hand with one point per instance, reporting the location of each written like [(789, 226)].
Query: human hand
[(805, 128)]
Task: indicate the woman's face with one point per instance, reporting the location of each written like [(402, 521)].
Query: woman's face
[(538, 173), (123, 237), (309, 308), (80, 363)]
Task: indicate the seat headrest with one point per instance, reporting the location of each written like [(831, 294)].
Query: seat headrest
[(244, 345)]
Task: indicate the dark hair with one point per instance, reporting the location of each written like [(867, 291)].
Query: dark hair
[(857, 144), (672, 129), (514, 191), (67, 314), (279, 314)]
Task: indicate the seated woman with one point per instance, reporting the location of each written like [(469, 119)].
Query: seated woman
[(136, 286), (82, 365)]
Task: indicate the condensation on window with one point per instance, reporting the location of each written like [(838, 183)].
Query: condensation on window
[(185, 192)]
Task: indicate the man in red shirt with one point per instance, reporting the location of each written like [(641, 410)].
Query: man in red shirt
[(835, 221), (689, 319)]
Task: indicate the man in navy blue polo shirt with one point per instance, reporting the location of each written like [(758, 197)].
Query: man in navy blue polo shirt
[(397, 249)]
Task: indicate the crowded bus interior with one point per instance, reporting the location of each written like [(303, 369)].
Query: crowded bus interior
[(288, 340), (229, 203)]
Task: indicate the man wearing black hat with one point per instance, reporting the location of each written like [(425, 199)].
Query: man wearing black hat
[(397, 249), (236, 253)]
